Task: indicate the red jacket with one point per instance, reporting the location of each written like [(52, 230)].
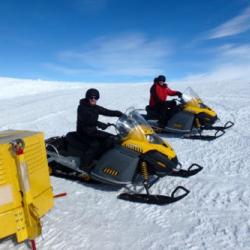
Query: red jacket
[(159, 93)]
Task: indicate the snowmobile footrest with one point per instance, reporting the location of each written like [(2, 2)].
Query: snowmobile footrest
[(189, 172), (73, 177), (155, 199)]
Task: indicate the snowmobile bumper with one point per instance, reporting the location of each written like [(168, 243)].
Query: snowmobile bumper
[(192, 170)]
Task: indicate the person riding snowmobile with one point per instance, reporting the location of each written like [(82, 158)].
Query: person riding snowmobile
[(158, 103), (97, 141)]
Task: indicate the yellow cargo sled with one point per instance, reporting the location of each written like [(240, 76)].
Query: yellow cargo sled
[(25, 188)]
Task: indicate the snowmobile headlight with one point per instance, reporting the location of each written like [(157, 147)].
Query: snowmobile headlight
[(153, 139), (202, 105)]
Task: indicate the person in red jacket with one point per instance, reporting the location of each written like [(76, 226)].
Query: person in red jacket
[(158, 103)]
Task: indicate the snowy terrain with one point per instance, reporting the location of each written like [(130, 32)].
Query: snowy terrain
[(215, 215)]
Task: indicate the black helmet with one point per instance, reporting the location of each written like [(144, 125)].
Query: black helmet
[(161, 78), (92, 93)]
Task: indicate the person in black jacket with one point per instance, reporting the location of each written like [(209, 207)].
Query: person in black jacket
[(97, 141)]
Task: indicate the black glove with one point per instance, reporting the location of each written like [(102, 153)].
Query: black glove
[(102, 126), (179, 94)]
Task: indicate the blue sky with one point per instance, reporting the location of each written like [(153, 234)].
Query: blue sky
[(124, 40)]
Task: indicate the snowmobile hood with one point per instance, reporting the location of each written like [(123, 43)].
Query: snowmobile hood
[(194, 104), (138, 135)]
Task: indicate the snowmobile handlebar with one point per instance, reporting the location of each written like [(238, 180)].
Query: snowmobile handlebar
[(180, 100)]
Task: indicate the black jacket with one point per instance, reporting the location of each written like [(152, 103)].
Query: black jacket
[(87, 118)]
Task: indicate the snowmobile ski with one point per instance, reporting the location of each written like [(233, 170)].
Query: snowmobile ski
[(227, 125), (155, 199), (190, 135), (199, 136), (189, 172)]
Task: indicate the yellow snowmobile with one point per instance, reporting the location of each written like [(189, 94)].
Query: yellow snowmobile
[(139, 158), (191, 117)]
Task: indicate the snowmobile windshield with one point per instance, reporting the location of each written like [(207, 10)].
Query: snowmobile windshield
[(190, 96), (132, 125)]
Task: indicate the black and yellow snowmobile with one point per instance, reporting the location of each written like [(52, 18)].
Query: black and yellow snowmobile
[(191, 117), (139, 159)]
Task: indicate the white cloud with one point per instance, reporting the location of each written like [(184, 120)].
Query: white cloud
[(237, 25), (232, 63), (226, 72), (66, 70), (240, 53), (127, 54)]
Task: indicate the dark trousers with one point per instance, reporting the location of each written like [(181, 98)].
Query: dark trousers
[(96, 146), (165, 111)]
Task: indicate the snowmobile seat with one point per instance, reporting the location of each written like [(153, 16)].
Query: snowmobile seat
[(59, 142), (152, 114)]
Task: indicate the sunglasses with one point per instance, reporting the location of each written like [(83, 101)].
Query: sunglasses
[(93, 98)]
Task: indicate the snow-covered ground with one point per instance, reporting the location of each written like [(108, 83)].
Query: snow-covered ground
[(215, 215)]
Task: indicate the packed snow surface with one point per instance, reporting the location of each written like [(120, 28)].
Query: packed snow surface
[(216, 213)]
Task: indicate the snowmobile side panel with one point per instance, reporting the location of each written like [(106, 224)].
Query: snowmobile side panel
[(159, 163), (182, 121), (117, 166), (206, 119)]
